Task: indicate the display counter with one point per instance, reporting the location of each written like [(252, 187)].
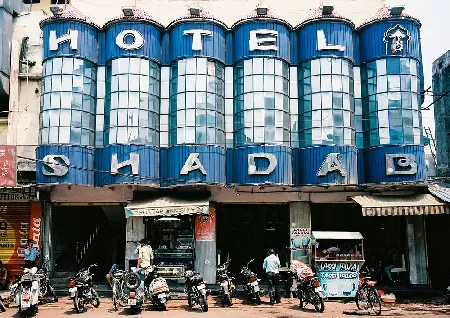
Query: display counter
[(338, 258)]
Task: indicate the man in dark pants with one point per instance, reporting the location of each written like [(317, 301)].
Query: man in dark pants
[(272, 265)]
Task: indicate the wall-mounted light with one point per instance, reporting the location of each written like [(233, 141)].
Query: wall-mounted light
[(195, 12), (327, 10), (262, 11), (397, 10), (56, 10), (127, 11)]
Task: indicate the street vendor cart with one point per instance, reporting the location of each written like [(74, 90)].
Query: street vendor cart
[(337, 260)]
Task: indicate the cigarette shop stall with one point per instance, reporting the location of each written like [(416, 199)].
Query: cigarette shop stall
[(337, 260), (169, 225)]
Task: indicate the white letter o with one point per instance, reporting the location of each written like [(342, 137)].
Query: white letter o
[(137, 43)]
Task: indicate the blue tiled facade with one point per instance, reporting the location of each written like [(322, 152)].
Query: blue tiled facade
[(322, 103)]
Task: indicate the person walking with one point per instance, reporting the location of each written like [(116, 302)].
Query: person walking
[(272, 265), (31, 254)]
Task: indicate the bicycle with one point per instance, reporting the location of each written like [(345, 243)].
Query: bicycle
[(117, 288), (367, 295)]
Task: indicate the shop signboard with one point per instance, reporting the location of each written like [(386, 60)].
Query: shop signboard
[(338, 278), (8, 174), (205, 226)]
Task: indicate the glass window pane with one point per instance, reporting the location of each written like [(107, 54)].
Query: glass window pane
[(201, 65), (381, 67), (57, 65), (53, 135), (315, 67), (123, 66), (200, 84), (135, 65), (315, 84), (191, 66), (325, 66), (393, 82)]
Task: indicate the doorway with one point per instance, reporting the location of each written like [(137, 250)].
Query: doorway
[(248, 231)]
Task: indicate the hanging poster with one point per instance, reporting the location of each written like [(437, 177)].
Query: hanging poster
[(8, 174), (205, 226), (301, 244)]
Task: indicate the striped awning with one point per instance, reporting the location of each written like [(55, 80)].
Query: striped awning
[(420, 204)]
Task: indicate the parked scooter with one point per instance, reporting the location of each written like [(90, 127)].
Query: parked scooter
[(82, 291), (13, 289), (251, 283), (157, 291), (196, 290), (133, 293), (45, 286), (226, 282), (27, 295)]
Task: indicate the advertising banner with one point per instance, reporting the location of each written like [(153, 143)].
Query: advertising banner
[(338, 279), (8, 168), (205, 226), (14, 233)]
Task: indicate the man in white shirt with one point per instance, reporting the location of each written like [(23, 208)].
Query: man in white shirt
[(272, 265), (145, 259)]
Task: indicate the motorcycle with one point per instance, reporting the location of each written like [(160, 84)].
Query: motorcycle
[(227, 285), (2, 307), (309, 291), (45, 286), (158, 290), (196, 290), (131, 292), (27, 295), (81, 290), (13, 289), (250, 283)]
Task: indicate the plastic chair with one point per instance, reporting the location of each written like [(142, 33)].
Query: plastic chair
[(399, 270)]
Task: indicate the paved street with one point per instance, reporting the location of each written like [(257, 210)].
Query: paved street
[(288, 308)]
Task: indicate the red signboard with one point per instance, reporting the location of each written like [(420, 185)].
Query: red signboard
[(8, 168), (205, 226)]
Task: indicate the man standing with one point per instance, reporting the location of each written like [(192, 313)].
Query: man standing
[(31, 253), (272, 265), (145, 260)]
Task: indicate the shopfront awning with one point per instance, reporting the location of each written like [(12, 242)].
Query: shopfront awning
[(420, 204), (442, 191), (166, 207), (334, 235)]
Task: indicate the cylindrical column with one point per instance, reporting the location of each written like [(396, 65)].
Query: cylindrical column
[(261, 56), (67, 118), (390, 78), (196, 150), (327, 151), (132, 104)]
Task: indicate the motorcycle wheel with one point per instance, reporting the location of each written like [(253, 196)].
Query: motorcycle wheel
[(204, 303), (2, 307), (163, 306), (78, 303), (232, 290), (319, 304), (228, 301), (374, 301), (258, 298), (361, 299), (95, 300), (191, 302), (43, 290)]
